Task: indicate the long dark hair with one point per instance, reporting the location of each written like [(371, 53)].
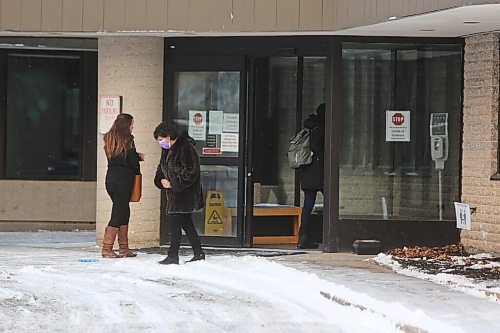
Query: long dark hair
[(119, 138)]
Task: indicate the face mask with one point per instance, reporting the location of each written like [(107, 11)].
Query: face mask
[(164, 144)]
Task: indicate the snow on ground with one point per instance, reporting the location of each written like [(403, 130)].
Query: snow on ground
[(45, 288), (485, 289)]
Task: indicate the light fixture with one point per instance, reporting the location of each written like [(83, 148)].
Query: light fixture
[(471, 22)]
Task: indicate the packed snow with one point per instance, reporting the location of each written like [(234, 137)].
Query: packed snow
[(44, 287)]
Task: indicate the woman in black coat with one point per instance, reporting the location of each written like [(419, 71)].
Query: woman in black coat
[(178, 173), (123, 165), (311, 175)]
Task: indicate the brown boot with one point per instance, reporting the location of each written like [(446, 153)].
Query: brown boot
[(123, 242), (108, 241)]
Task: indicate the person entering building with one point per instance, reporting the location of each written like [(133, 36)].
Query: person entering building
[(311, 175)]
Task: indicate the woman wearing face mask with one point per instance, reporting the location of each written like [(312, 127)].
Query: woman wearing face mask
[(123, 165), (179, 175)]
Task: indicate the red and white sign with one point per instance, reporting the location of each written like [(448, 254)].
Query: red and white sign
[(398, 119), (109, 108), (397, 126), (211, 151), (198, 125)]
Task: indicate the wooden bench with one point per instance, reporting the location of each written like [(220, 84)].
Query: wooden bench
[(295, 212)]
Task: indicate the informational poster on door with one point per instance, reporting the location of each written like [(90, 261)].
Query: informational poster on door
[(231, 122), (215, 122), (109, 108), (198, 125), (397, 126), (229, 142)]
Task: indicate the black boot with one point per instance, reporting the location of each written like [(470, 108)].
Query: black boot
[(169, 260), (197, 257), (305, 243)]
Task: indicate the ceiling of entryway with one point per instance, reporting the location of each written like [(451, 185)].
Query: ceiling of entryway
[(455, 22)]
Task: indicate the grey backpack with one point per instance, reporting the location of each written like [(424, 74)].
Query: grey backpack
[(299, 151)]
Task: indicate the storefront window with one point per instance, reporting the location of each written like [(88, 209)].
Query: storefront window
[(389, 94), (43, 137)]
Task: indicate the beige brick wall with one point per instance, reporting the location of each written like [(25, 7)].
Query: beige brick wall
[(480, 142), (132, 67)]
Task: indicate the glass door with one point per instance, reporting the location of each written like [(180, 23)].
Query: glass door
[(204, 98), (283, 91)]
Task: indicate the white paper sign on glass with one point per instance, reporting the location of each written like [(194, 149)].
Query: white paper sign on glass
[(215, 122), (197, 125), (229, 142), (109, 108), (462, 213), (397, 126), (231, 122)]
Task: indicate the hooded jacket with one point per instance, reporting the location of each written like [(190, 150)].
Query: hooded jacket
[(181, 167)]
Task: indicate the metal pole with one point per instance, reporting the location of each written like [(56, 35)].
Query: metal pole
[(440, 197)]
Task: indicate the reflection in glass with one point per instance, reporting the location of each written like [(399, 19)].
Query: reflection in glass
[(275, 122), (313, 94), (398, 180), (43, 101), (208, 108)]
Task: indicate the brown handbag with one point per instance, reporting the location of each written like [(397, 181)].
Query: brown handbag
[(137, 189)]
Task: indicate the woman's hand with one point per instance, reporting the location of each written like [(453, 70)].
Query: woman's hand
[(141, 156), (165, 183)]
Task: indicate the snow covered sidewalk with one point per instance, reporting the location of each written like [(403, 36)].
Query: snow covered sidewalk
[(45, 288)]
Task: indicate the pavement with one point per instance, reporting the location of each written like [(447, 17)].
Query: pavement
[(356, 272)]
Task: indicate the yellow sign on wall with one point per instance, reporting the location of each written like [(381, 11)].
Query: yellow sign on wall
[(217, 221)]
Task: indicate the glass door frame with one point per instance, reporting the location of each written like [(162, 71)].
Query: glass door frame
[(178, 62)]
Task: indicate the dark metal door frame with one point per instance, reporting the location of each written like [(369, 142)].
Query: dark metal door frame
[(182, 63)]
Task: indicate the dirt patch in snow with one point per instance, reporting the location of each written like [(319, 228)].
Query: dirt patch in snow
[(449, 259)]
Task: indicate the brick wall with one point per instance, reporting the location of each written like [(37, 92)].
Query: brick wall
[(480, 142), (133, 68)]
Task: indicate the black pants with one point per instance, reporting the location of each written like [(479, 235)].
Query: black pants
[(305, 226), (120, 195), (178, 222)]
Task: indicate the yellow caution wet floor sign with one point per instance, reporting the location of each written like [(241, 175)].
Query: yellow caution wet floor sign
[(216, 221)]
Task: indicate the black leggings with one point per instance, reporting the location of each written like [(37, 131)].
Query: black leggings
[(178, 222), (120, 195)]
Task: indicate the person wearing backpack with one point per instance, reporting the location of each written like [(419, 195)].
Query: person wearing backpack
[(311, 175)]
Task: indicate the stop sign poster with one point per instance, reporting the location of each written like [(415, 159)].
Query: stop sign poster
[(397, 126), (198, 125)]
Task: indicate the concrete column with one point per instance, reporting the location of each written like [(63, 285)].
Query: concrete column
[(132, 67)]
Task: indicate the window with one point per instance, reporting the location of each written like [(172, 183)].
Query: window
[(48, 108), (381, 177)]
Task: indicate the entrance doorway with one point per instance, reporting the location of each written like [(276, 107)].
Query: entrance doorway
[(283, 91), (242, 108)]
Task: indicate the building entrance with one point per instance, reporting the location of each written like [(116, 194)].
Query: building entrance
[(242, 110)]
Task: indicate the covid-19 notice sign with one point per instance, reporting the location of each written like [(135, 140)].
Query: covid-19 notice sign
[(397, 126)]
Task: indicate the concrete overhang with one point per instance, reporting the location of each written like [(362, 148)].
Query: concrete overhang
[(454, 22)]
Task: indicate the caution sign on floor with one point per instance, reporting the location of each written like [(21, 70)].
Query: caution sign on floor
[(216, 222)]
